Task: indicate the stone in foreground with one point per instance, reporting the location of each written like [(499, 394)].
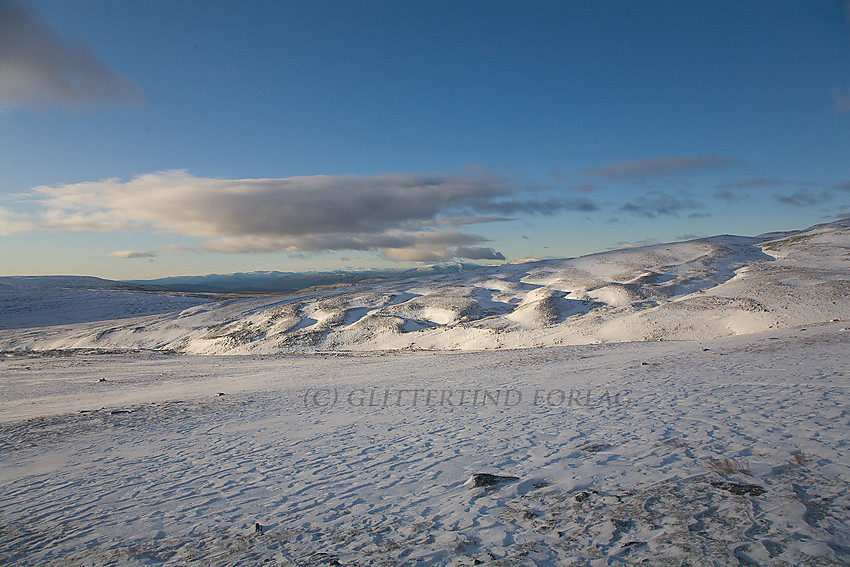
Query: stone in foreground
[(483, 479)]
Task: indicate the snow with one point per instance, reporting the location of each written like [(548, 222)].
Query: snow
[(34, 301), (693, 290), (379, 476), (727, 446)]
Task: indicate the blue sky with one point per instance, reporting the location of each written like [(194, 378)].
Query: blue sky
[(145, 139)]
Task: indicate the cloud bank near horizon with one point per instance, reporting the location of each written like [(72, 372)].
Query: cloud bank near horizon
[(402, 216), (405, 216), (38, 67), (131, 254)]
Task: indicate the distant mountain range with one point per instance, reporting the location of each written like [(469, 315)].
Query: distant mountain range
[(273, 281)]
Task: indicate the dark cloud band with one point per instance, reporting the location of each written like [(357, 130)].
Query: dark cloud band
[(38, 67), (403, 215)]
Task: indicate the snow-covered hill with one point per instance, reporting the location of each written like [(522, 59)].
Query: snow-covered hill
[(699, 289), (35, 301), (277, 282)]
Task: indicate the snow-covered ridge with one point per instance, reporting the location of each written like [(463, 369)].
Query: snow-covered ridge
[(275, 282), (699, 289), (29, 301)]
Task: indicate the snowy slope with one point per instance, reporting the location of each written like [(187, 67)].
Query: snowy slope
[(693, 290), (277, 282), (36, 301)]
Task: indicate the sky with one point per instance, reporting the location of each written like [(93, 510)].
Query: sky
[(159, 138)]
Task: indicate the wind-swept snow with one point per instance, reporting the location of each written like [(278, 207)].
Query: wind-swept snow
[(723, 452), (134, 442)]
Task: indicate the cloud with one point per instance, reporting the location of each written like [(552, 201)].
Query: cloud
[(545, 207), (459, 221), (750, 183), (758, 183), (404, 215), (728, 196), (843, 185), (12, 224), (38, 67), (800, 200), (736, 190), (659, 168), (478, 253), (635, 244), (658, 203), (417, 254), (434, 241), (131, 254)]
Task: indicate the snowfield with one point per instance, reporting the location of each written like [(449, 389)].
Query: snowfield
[(692, 407)]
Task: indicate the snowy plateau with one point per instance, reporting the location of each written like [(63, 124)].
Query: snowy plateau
[(675, 404)]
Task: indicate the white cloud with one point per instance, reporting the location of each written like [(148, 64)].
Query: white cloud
[(405, 215), (37, 67), (418, 254), (11, 223), (391, 240), (130, 254)]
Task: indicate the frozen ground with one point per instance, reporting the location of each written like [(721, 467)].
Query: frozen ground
[(154, 467), (726, 447)]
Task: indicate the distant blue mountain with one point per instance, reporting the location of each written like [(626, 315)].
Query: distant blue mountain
[(272, 281)]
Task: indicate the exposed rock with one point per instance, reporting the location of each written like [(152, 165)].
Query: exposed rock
[(739, 489), (584, 495), (596, 447), (483, 479)]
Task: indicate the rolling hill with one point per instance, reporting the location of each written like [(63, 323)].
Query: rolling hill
[(693, 290)]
